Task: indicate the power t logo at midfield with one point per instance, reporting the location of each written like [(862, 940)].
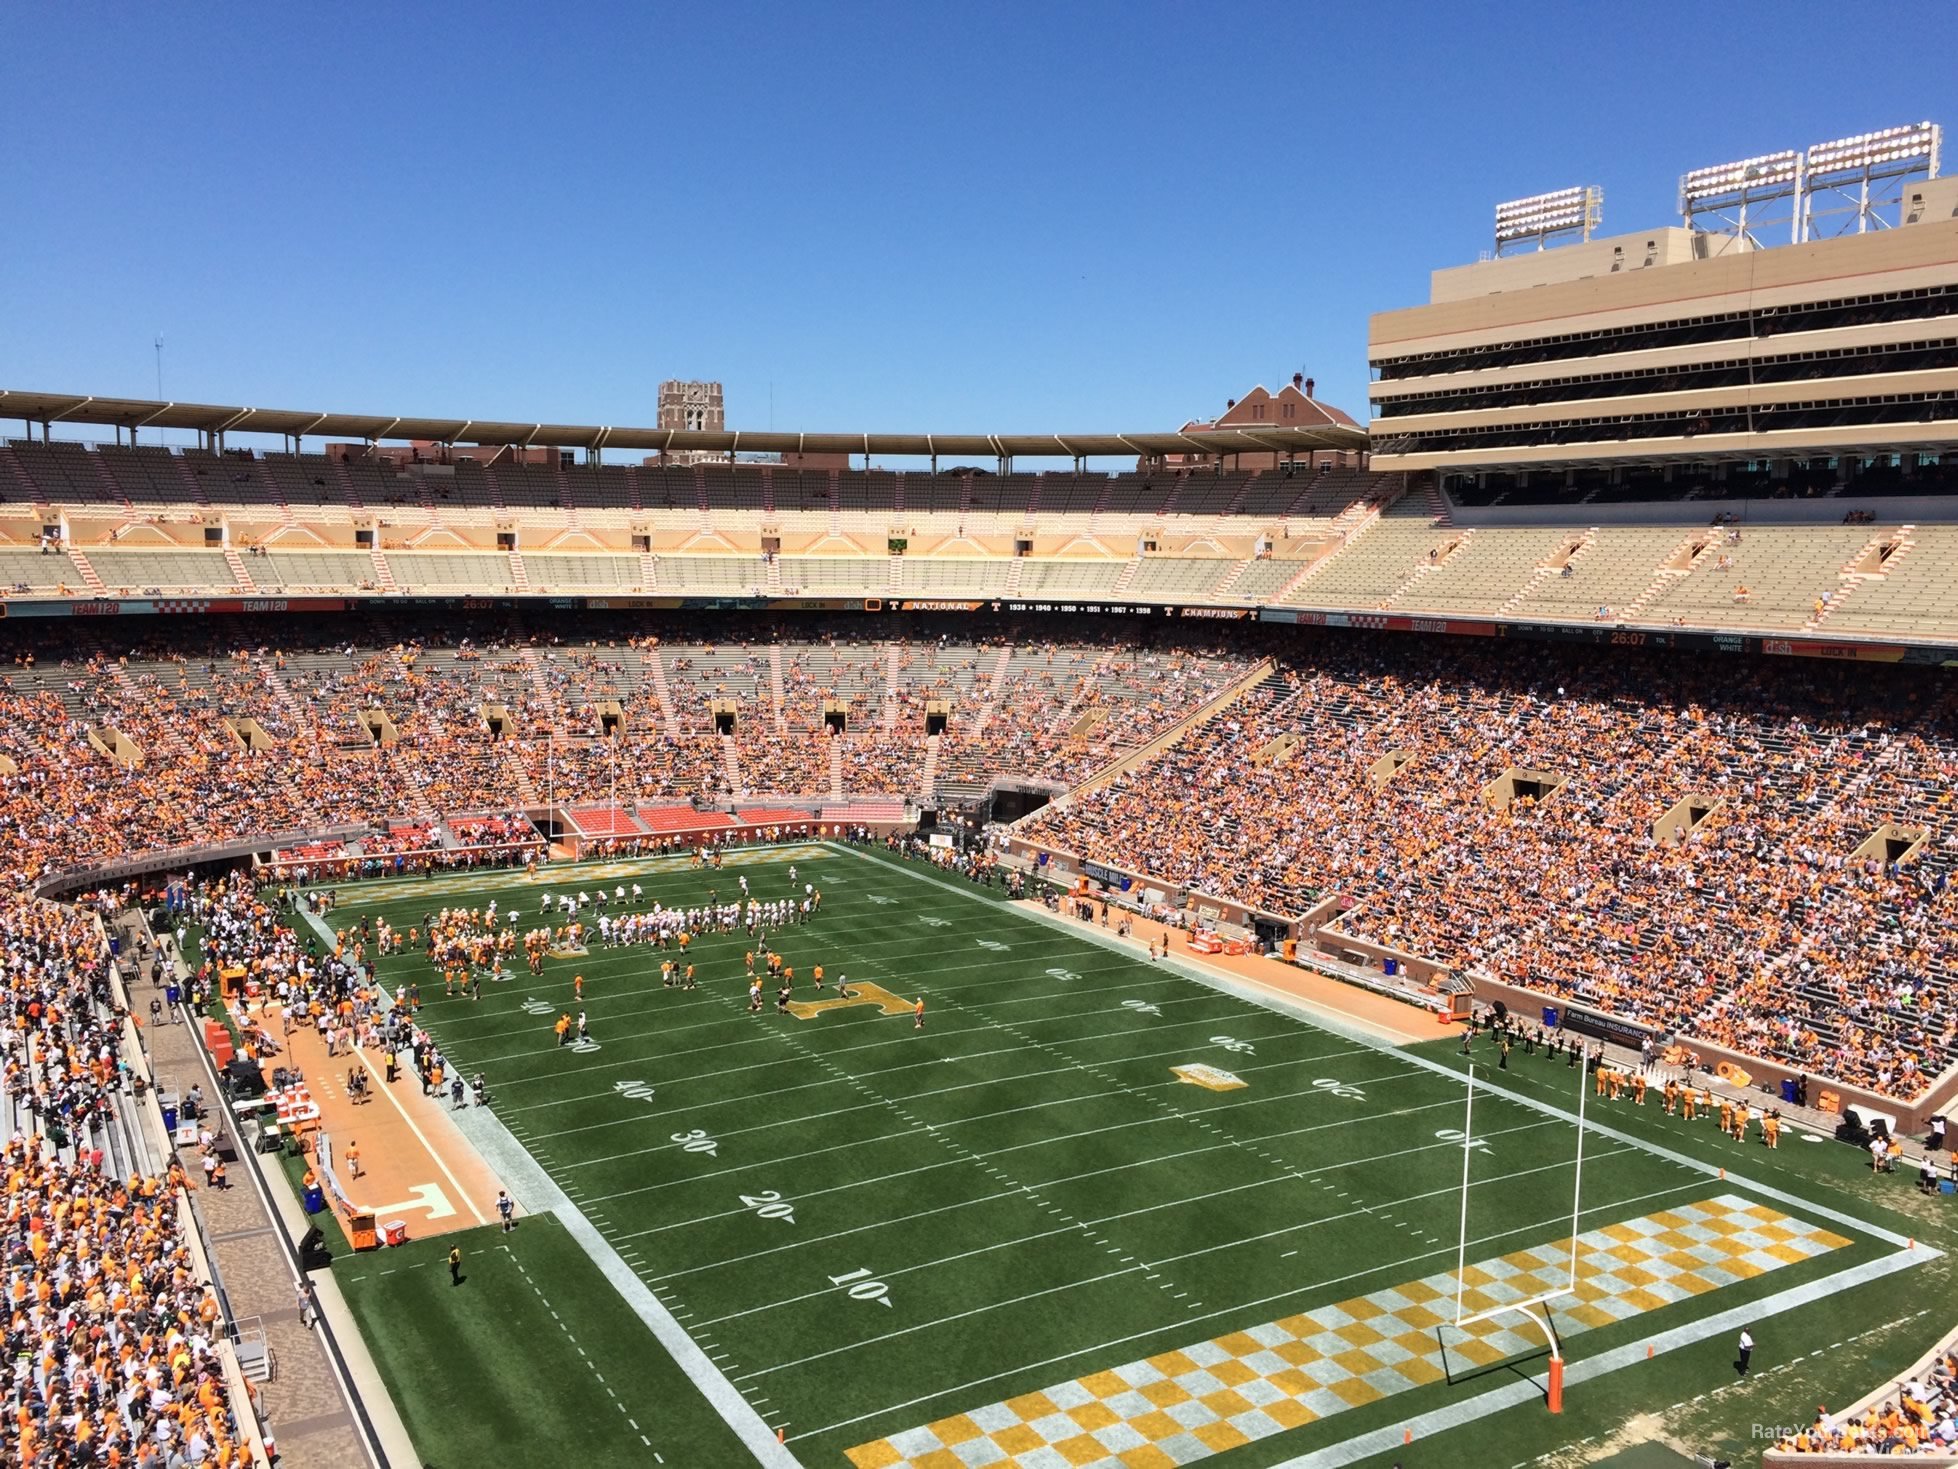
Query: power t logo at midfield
[(860, 994), (1211, 1078)]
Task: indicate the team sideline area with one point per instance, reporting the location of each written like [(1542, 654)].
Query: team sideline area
[(1086, 1206)]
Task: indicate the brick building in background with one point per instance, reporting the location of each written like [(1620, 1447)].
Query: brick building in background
[(1292, 406)]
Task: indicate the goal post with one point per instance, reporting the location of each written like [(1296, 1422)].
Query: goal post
[(1536, 1308)]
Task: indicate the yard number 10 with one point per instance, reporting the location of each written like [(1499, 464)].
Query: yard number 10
[(863, 1288)]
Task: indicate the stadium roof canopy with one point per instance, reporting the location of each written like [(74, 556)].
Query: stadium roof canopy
[(137, 413)]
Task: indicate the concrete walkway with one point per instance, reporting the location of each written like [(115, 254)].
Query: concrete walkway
[(304, 1405)]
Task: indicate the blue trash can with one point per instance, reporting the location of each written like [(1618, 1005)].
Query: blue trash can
[(170, 1119), (1391, 966), (315, 1199), (1551, 1016), (1788, 1090)]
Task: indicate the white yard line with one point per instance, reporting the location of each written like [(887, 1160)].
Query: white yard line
[(1384, 1208), (1236, 1310), (967, 1121), (940, 1091)]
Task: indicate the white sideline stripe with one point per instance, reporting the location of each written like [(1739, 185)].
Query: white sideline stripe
[(705, 1374)]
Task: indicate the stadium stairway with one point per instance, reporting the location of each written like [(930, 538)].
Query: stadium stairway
[(192, 483), (534, 667), (1222, 591), (520, 780), (775, 689), (891, 662), (237, 564), (383, 577), (989, 701), (1543, 573), (343, 478), (1129, 570), (928, 776), (89, 577), (1311, 568), (655, 667), (836, 767), (1257, 677), (565, 498), (172, 741), (111, 490), (415, 777), (1852, 578), (731, 766), (1664, 578), (1420, 572), (281, 693), (519, 578), (1438, 503)]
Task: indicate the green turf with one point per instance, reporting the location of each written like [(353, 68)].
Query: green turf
[(533, 1352), (1039, 1195)]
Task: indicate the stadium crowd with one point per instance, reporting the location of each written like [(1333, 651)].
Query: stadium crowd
[(111, 1336), (1757, 926), (1921, 1419), (1351, 785)]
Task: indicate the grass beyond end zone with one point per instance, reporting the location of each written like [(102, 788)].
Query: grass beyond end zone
[(892, 1226), (533, 1354)]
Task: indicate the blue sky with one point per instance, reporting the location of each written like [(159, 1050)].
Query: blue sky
[(1009, 217)]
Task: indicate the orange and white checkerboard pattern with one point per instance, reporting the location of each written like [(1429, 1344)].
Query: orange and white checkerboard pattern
[(1214, 1395)]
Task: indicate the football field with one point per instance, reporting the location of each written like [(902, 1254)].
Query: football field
[(1097, 1210)]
